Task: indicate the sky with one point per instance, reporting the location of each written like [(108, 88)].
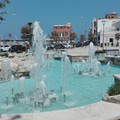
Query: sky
[(79, 13)]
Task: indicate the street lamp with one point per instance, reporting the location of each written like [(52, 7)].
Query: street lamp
[(12, 26), (13, 17), (30, 28), (103, 22)]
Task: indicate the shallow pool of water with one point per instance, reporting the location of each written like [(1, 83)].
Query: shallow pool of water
[(80, 90)]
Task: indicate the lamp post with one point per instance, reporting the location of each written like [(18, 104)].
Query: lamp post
[(30, 28), (13, 19), (12, 26), (103, 22)]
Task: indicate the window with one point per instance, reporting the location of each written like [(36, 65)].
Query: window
[(117, 29), (6, 46), (111, 39)]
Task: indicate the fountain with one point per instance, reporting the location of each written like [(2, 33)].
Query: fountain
[(40, 95), (53, 84), (6, 69), (91, 66), (12, 83), (65, 75), (6, 73), (39, 64)]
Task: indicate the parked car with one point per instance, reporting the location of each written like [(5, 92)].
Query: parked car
[(18, 48), (5, 48), (50, 48), (79, 44), (59, 46), (67, 45), (86, 43)]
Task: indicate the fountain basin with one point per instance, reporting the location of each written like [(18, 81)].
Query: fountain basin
[(82, 90)]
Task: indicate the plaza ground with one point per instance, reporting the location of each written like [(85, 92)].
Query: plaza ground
[(84, 50)]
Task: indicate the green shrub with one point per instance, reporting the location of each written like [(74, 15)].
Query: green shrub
[(114, 89)]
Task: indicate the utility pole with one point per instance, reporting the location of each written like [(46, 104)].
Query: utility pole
[(103, 22)]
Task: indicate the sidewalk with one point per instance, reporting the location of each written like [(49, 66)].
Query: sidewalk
[(85, 50), (97, 111)]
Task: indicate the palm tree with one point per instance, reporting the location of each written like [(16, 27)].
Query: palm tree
[(3, 4), (117, 37)]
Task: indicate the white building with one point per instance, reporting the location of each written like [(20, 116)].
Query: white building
[(105, 29)]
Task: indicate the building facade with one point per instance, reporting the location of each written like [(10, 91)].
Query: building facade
[(105, 29), (63, 31)]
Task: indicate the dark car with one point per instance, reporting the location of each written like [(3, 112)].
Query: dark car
[(86, 43), (18, 48), (50, 48), (79, 44), (59, 46)]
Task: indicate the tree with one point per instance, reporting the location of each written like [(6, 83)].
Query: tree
[(73, 35), (26, 32), (91, 36), (54, 35), (117, 37), (3, 4), (82, 38)]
